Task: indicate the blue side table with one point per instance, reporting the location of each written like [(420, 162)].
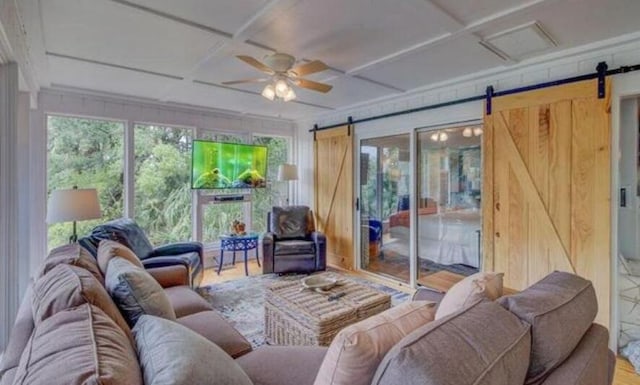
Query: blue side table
[(233, 242)]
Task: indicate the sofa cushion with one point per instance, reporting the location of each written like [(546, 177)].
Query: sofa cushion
[(216, 329), (81, 345), (560, 309), (294, 247), (357, 350), (172, 354), (72, 254), (283, 365), (19, 337), (108, 249), (290, 222), (481, 345), (589, 362), (7, 377), (136, 292), (185, 301), (66, 286), (483, 285)]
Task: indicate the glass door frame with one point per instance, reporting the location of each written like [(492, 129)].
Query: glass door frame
[(413, 196)]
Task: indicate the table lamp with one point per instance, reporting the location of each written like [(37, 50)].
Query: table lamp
[(287, 172), (73, 205)]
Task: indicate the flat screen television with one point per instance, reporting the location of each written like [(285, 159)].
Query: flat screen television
[(218, 165)]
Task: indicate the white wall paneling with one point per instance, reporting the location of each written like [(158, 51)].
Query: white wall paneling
[(12, 174)]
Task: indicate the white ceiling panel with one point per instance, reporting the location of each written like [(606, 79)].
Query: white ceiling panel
[(346, 91), (223, 15), (226, 67), (214, 97), (109, 32), (347, 34), (397, 45), (108, 79), (439, 63), (576, 22), (468, 11)]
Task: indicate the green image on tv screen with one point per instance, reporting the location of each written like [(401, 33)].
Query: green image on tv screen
[(217, 165)]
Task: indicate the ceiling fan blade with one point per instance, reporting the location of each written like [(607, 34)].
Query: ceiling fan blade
[(256, 64), (315, 86), (256, 80), (308, 68)]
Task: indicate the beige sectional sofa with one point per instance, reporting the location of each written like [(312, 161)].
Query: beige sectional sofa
[(543, 335)]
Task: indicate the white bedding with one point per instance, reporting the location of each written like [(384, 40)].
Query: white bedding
[(446, 238)]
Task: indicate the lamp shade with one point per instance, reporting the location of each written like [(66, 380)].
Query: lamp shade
[(73, 205), (287, 171)]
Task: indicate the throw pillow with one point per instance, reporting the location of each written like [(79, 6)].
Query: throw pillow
[(482, 344), (170, 353), (109, 249), (136, 292), (357, 350), (481, 285)]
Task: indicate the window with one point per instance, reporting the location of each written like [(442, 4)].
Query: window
[(277, 192), (162, 198), (87, 153)]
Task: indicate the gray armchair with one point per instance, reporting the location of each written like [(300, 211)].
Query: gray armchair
[(291, 244)]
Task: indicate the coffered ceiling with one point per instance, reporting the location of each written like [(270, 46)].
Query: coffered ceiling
[(181, 51)]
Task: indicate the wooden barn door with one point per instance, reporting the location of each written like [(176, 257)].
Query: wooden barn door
[(333, 155), (546, 198)]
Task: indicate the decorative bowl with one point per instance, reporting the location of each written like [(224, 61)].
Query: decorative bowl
[(318, 282)]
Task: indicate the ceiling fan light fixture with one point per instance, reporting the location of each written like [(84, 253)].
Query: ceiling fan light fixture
[(290, 95), (281, 88), (269, 92)]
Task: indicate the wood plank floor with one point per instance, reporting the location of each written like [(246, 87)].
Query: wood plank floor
[(625, 374), (235, 272)]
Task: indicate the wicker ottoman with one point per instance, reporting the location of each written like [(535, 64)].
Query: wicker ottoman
[(305, 317)]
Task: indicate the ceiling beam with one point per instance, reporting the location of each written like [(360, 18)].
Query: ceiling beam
[(174, 18), (113, 65)]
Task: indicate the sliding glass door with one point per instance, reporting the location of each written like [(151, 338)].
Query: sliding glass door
[(448, 203), (420, 205), (385, 177)]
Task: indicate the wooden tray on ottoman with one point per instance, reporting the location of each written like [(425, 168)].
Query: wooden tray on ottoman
[(306, 317)]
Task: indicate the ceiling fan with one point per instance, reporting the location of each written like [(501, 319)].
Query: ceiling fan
[(283, 75)]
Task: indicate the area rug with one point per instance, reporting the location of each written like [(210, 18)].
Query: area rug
[(241, 301)]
